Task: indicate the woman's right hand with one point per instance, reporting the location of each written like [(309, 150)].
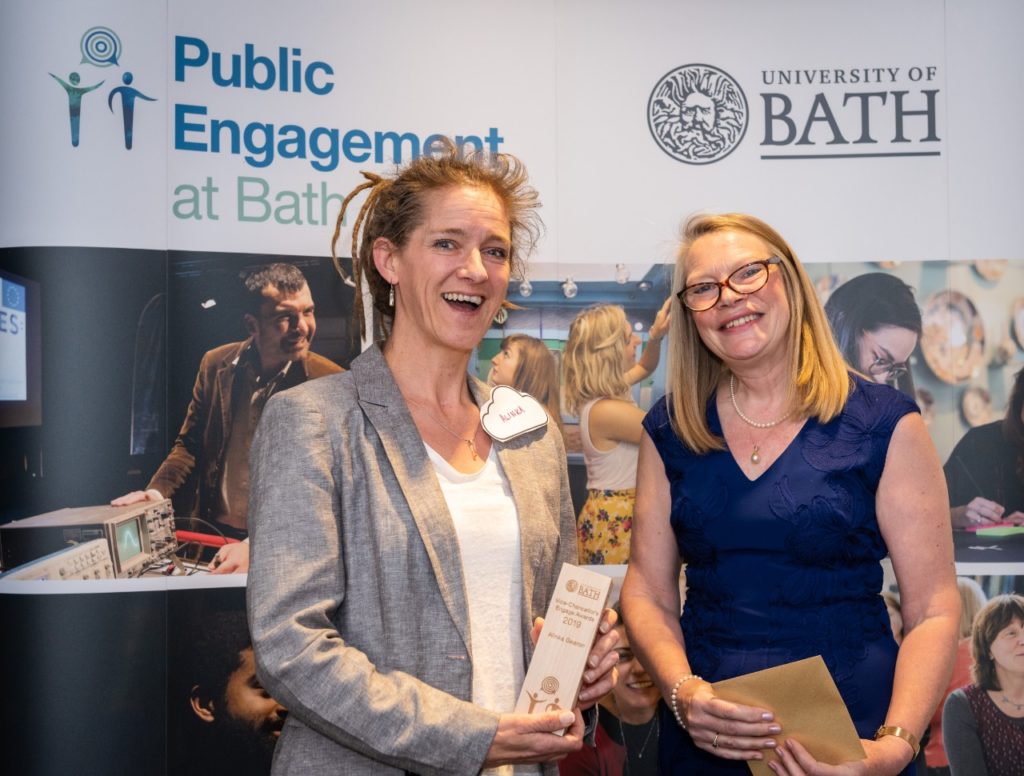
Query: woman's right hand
[(725, 729), (530, 738), (978, 511)]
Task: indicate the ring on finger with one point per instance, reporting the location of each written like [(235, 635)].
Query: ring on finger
[(714, 743)]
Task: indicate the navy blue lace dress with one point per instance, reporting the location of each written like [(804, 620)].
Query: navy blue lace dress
[(786, 566)]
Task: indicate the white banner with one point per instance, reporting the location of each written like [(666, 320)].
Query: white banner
[(863, 131)]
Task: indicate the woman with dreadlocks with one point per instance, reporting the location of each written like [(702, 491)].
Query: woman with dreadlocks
[(400, 553)]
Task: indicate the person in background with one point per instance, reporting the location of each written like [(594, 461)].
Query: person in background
[(627, 734), (782, 480), (983, 723), (526, 364), (972, 599), (985, 471), (876, 324), (222, 720), (400, 553), (233, 385), (599, 366)]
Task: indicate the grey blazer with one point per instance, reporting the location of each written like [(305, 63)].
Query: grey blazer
[(356, 598)]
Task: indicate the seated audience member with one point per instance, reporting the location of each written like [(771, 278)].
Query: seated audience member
[(598, 367), (233, 385), (983, 723), (222, 720), (876, 324), (972, 599), (525, 363), (985, 471), (627, 732)]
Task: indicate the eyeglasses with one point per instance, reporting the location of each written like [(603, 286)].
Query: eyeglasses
[(884, 366), (745, 280)]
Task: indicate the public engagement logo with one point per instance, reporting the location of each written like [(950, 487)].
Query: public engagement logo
[(697, 114), (100, 49)]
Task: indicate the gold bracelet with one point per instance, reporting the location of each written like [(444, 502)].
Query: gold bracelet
[(896, 730)]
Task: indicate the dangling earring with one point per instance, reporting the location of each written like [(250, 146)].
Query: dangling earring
[(391, 295)]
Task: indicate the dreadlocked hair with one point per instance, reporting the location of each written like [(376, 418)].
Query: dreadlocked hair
[(394, 208)]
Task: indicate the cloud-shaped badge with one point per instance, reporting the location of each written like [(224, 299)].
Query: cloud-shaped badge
[(509, 413)]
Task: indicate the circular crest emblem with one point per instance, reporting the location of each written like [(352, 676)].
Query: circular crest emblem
[(697, 114), (571, 585), (549, 685)]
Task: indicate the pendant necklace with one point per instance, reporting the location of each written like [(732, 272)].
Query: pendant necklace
[(755, 456), (1017, 706), (469, 442), (652, 726)]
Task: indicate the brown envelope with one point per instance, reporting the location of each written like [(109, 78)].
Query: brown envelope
[(806, 704)]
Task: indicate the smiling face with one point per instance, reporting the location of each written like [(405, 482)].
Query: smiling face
[(504, 365), (284, 328), (740, 328), (452, 274), (635, 694)]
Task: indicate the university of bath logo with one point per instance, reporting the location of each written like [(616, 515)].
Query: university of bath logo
[(697, 114)]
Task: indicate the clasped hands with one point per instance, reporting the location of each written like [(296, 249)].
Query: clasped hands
[(528, 738), (734, 731)]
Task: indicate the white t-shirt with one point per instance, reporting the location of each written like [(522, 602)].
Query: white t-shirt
[(487, 526)]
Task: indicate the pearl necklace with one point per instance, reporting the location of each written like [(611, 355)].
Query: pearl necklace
[(755, 456)]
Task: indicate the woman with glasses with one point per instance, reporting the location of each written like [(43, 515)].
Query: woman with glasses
[(598, 367), (876, 323), (781, 479)]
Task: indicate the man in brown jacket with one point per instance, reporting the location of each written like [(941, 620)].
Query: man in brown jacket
[(233, 385)]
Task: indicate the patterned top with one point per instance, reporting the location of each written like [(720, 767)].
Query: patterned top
[(980, 739), (785, 566)]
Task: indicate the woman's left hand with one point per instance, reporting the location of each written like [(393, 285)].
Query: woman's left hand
[(601, 675), (885, 757)]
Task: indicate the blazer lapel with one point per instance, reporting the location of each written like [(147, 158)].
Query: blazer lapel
[(225, 381), (382, 403), (520, 469)]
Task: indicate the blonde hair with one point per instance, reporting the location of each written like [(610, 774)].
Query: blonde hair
[(820, 384), (536, 372), (395, 207), (592, 361), (972, 599)]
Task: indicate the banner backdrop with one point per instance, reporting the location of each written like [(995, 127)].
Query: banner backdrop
[(863, 131), (154, 152)]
